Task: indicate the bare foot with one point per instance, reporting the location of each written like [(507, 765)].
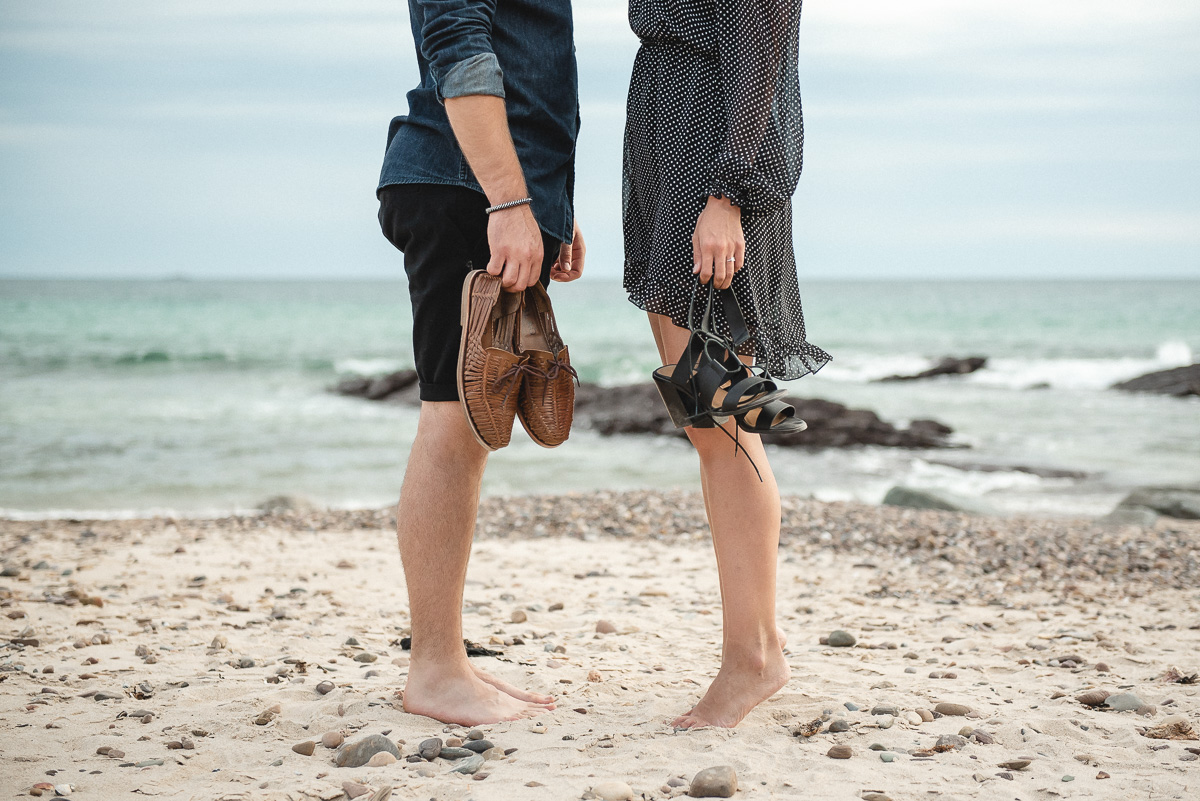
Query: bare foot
[(735, 691), (782, 646), (546, 701), (465, 699)]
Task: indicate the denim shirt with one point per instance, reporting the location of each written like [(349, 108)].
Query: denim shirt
[(520, 50)]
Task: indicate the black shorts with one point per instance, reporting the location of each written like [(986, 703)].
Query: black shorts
[(442, 231)]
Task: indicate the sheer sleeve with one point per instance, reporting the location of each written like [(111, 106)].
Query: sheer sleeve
[(759, 163)]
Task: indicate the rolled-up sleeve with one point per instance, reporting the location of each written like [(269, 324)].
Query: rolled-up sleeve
[(456, 40)]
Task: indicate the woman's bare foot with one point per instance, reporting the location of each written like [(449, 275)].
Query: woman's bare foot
[(737, 690), (546, 701), (465, 699), (782, 646)]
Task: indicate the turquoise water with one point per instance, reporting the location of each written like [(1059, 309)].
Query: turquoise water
[(201, 397)]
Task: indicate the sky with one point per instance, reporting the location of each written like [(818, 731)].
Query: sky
[(977, 139)]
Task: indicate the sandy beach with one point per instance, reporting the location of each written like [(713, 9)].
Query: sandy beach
[(194, 653)]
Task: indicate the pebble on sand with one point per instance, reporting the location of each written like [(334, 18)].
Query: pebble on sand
[(381, 759), (841, 639), (359, 752), (306, 748), (1093, 697), (840, 752), (429, 749), (519, 616), (613, 791), (605, 627), (715, 782), (325, 687), (1016, 764), (945, 708), (354, 789), (1124, 702), (469, 765), (332, 739)]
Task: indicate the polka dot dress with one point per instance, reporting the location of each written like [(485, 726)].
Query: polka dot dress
[(714, 109)]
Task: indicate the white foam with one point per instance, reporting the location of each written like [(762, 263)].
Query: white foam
[(369, 367)]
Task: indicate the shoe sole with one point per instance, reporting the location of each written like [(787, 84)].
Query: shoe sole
[(464, 314)]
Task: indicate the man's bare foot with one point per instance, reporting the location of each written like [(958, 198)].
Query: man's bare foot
[(546, 701), (463, 698), (737, 690)]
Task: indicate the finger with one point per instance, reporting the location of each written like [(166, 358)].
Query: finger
[(512, 275), (495, 264), (695, 257), (706, 266), (739, 257), (728, 260)]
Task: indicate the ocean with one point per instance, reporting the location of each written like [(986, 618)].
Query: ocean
[(128, 398)]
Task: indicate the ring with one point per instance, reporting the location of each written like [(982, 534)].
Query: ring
[(731, 258)]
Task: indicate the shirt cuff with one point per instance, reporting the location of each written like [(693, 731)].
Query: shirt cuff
[(478, 75)]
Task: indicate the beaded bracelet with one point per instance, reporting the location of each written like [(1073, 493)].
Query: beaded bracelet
[(509, 204)]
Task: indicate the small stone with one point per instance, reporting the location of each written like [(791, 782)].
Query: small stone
[(884, 721), (494, 753), (875, 797), (839, 726), (914, 719), (332, 739), (358, 753), (519, 616), (841, 639), (1093, 697), (982, 737), (885, 709), (245, 662), (455, 753), (715, 782), (556, 606), (429, 749), (877, 747), (594, 675), (325, 687), (1123, 702), (354, 789), (475, 734), (105, 695), (613, 791), (948, 742), (219, 643), (116, 753), (925, 715), (454, 742), (306, 748), (381, 759), (851, 706), (952, 709), (886, 756), (604, 627), (538, 729), (1102, 667), (469, 765), (1068, 778), (1103, 775), (146, 763), (365, 656), (478, 746), (840, 752), (41, 788), (267, 715), (1016, 764)]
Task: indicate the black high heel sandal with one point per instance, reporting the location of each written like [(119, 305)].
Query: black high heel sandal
[(709, 384)]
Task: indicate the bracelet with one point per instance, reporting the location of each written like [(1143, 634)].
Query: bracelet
[(509, 204)]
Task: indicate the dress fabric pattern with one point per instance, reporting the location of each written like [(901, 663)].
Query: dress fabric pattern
[(714, 109)]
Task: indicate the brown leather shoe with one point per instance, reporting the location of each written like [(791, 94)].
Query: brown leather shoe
[(489, 371), (547, 402)]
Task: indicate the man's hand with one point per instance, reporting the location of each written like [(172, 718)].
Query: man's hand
[(515, 243), (570, 258), (718, 244)]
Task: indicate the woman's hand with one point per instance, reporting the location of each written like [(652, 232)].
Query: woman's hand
[(718, 245), (570, 258)]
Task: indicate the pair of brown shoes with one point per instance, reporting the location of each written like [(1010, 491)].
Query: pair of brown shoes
[(512, 363)]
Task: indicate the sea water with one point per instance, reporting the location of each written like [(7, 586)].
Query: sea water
[(190, 397)]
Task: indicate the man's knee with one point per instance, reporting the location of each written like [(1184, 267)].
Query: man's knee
[(443, 425)]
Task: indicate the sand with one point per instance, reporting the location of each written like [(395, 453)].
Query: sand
[(989, 601)]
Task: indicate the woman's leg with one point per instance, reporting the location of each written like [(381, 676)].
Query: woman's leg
[(744, 516)]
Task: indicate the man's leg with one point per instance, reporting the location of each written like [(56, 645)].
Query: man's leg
[(435, 522)]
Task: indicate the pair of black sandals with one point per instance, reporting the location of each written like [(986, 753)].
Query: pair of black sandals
[(710, 384)]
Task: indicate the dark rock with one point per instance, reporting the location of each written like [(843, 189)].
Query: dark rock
[(839, 725), (478, 746), (429, 749), (1179, 382), (638, 409), (1040, 472), (1177, 502), (947, 366), (359, 752), (927, 499), (379, 388)]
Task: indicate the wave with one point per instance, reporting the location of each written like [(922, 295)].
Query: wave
[(1018, 373)]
